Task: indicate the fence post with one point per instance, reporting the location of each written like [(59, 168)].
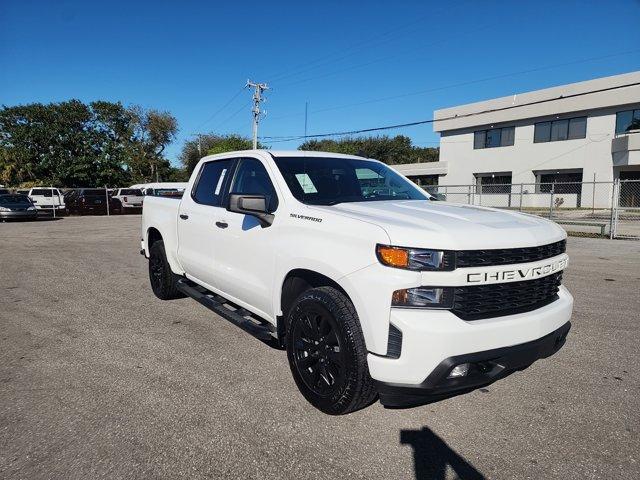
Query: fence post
[(593, 195), (551, 202), (106, 194), (612, 220), (468, 194), (479, 196), (521, 193), (53, 202)]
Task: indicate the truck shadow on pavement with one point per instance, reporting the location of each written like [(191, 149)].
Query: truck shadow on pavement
[(432, 456)]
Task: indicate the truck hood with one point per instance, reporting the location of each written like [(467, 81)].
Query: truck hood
[(451, 226)]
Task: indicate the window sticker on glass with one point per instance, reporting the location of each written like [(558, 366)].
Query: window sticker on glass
[(220, 180), (306, 183)]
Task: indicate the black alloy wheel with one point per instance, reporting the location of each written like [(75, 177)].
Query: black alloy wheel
[(317, 352), (163, 281), (327, 353)]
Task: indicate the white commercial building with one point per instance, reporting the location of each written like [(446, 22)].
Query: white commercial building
[(571, 133)]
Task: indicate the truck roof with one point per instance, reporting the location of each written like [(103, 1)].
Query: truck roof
[(290, 153)]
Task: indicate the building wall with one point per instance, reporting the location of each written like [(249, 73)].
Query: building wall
[(591, 154)]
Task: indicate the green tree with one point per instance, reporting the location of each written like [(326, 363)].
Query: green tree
[(390, 150), (152, 132), (73, 144), (210, 144)]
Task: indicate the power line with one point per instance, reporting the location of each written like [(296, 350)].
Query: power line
[(432, 120), (233, 115), (354, 48), (220, 109), (380, 59), (461, 84)]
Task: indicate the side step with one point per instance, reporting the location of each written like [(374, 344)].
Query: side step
[(240, 317)]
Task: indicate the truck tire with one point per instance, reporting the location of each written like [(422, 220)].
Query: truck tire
[(163, 280), (327, 354), (117, 207)]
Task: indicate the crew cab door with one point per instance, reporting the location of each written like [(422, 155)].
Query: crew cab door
[(200, 209), (246, 250)]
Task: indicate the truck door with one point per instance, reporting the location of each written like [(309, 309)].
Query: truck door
[(199, 210), (245, 251)]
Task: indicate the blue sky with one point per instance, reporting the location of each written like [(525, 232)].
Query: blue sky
[(345, 58)]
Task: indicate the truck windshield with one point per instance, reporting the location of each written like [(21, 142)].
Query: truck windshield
[(328, 181), (135, 192)]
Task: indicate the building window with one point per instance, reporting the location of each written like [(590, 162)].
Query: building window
[(424, 180), (494, 137), (493, 182), (560, 181), (627, 121), (558, 130)]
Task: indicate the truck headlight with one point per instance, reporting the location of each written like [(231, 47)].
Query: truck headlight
[(415, 258), (5, 209), (423, 297)]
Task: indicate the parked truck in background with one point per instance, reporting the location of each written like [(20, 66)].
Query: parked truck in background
[(47, 200), (374, 290), (127, 200)]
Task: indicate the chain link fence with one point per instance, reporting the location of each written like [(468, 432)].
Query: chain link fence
[(600, 209)]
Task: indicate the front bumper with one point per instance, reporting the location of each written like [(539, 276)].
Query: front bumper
[(430, 337), (486, 367), (19, 215)]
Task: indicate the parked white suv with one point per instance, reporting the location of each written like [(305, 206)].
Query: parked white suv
[(127, 199), (374, 289), (47, 200)]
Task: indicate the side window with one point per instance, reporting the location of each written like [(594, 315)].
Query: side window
[(209, 189), (252, 179)]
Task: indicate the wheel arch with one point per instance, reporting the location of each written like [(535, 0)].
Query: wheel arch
[(296, 282), (153, 235)]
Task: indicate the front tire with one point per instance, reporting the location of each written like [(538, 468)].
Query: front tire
[(163, 280), (327, 354)]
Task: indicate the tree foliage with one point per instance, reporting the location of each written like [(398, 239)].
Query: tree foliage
[(211, 144), (73, 144), (390, 150)]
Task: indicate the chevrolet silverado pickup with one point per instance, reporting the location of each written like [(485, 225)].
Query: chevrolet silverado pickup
[(374, 290)]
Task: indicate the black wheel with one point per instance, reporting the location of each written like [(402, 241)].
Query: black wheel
[(117, 207), (327, 353), (163, 280)]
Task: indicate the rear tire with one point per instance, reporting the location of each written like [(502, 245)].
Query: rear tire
[(163, 280), (327, 354)]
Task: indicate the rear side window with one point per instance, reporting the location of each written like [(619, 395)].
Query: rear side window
[(209, 189)]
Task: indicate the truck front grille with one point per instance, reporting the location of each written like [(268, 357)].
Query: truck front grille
[(494, 300), (508, 256)]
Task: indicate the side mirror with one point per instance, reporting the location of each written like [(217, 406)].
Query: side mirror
[(254, 205)]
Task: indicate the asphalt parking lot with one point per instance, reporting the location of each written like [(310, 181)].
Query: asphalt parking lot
[(99, 379)]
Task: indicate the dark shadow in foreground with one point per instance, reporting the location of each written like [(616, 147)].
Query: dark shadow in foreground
[(431, 456)]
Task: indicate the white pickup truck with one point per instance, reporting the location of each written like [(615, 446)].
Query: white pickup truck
[(47, 199), (127, 199), (374, 290)]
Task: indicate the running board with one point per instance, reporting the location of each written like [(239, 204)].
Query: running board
[(240, 317)]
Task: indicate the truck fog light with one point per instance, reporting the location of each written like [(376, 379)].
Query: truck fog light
[(459, 371), (423, 297)]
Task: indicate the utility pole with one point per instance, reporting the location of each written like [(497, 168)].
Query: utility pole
[(258, 88), (306, 109)]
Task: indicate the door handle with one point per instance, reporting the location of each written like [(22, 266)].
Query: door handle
[(222, 224), (184, 217)]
